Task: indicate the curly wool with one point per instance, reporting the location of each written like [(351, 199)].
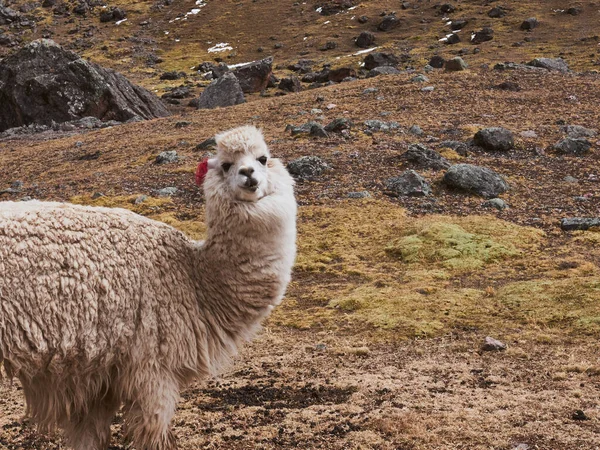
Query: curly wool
[(102, 306)]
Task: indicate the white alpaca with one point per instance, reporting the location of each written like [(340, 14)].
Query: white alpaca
[(102, 307)]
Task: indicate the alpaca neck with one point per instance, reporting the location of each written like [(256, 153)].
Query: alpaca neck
[(245, 265)]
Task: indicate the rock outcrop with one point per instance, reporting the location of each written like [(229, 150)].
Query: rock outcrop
[(43, 84)]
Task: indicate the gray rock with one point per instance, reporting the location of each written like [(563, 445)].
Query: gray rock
[(206, 144), (574, 147), (27, 198), (371, 90), (552, 64), (497, 203), (528, 134), (409, 183), (338, 125), (16, 185), (224, 91), (365, 39), (423, 157), (383, 70), (459, 147), (529, 24), (416, 130), (140, 199), (97, 195), (455, 64), (388, 23), (579, 223), (491, 345), (570, 179), (358, 195), (577, 131), (167, 157), (254, 76), (437, 62), (379, 125), (483, 35), (428, 89), (317, 130), (307, 167), (290, 84), (302, 129), (497, 12), (495, 139), (167, 192), (378, 59), (44, 84), (476, 180), (419, 79)]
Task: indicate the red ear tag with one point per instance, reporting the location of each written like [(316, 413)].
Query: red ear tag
[(201, 171)]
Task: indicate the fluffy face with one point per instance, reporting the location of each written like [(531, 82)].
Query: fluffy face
[(242, 163)]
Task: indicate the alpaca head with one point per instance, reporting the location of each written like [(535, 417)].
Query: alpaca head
[(241, 167)]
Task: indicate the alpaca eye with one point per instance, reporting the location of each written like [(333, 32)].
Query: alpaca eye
[(262, 160), (226, 166)]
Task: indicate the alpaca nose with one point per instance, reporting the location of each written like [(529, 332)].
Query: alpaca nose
[(248, 171), (251, 182)]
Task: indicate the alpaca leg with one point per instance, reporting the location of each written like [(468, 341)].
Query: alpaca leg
[(148, 416), (92, 430)]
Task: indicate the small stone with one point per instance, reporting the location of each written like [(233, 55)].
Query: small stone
[(452, 39), (447, 8), (140, 199), (421, 156), (427, 89), (358, 195), (320, 347), (570, 146), (371, 90), (497, 12), (416, 130), (491, 345), (437, 62), (409, 183), (167, 157), (570, 179), (27, 198), (475, 179), (419, 79), (455, 64), (307, 167), (521, 447), (78, 144), (579, 415), (494, 139), (579, 223), (388, 23), (529, 24), (206, 144), (97, 195), (497, 203), (528, 134), (317, 130), (458, 24), (363, 19), (16, 186), (552, 64), (577, 131), (483, 35), (167, 191), (365, 39), (182, 124), (383, 70), (338, 124)]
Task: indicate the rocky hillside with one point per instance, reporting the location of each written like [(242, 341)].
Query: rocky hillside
[(446, 291)]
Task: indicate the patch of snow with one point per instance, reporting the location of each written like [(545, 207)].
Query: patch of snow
[(221, 47), (472, 36), (305, 38), (368, 50), (177, 40), (119, 22), (166, 32), (449, 23), (235, 66), (353, 7), (325, 23), (445, 19), (444, 39), (319, 9)]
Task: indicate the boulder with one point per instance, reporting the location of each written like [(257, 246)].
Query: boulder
[(290, 84), (577, 131), (447, 8), (580, 223), (8, 15), (495, 139), (529, 24), (423, 157), (409, 183), (307, 167), (455, 64), (458, 24), (553, 64), (254, 76), (337, 75), (224, 91), (365, 40), (43, 83), (572, 146), (476, 180), (497, 12), (451, 39), (388, 23), (437, 62), (483, 35), (338, 125), (383, 70), (378, 59), (112, 15)]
